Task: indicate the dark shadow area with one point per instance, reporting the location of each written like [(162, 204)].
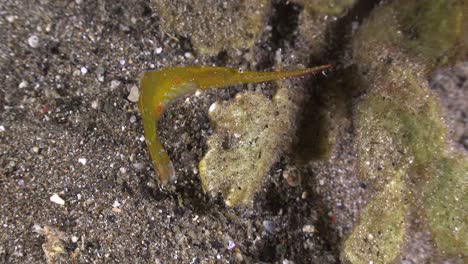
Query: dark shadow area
[(333, 92), (330, 103), (284, 23)]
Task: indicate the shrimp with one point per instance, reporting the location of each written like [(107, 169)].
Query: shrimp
[(159, 88)]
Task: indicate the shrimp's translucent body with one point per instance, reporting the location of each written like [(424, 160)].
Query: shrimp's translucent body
[(159, 88)]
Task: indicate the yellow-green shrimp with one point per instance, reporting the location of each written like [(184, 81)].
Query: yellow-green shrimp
[(159, 88)]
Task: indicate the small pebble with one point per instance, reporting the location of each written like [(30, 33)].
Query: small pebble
[(76, 72), (2, 128), (213, 107), (100, 73), (114, 84), (134, 94), (116, 204), (74, 239), (35, 149), (55, 198), (231, 245), (82, 161), (132, 119), (33, 41), (158, 50), (78, 2), (138, 166), (95, 104), (188, 55), (83, 70), (269, 226), (10, 19), (304, 195), (23, 84), (37, 229), (291, 175), (122, 62), (308, 229)]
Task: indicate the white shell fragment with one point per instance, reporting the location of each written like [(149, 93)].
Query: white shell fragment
[(213, 107), (55, 198), (134, 94), (33, 41)]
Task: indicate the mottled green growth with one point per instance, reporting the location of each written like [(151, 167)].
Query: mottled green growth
[(251, 132), (214, 25), (446, 204), (433, 30), (316, 17), (400, 132), (379, 236), (398, 124), (429, 32), (328, 7), (240, 152)]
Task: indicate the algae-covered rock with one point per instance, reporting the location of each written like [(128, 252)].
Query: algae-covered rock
[(429, 32), (446, 204), (214, 25), (400, 132), (432, 30), (379, 236), (314, 20), (398, 124), (327, 7), (251, 132)]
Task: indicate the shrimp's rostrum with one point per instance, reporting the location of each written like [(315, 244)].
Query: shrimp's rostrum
[(159, 88)]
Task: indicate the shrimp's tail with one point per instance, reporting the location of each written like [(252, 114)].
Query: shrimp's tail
[(257, 77)]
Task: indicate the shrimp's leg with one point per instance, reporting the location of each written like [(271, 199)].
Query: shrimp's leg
[(161, 161)]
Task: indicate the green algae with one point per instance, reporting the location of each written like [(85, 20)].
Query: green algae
[(214, 25), (429, 33), (400, 131), (379, 236), (251, 133), (327, 7), (445, 202), (401, 135), (398, 124), (240, 152), (432, 29)]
